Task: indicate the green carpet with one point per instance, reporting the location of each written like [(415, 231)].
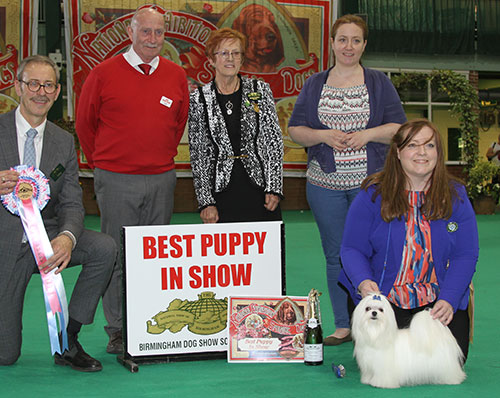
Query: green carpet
[(35, 375)]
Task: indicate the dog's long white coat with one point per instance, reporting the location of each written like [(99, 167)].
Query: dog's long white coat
[(388, 357)]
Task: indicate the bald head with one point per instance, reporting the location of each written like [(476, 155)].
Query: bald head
[(145, 13)]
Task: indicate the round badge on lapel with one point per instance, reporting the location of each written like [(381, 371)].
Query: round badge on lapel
[(452, 226)]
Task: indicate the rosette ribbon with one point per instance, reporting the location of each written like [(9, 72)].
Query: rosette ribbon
[(29, 197)]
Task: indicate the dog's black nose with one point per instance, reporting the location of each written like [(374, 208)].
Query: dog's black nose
[(374, 314)]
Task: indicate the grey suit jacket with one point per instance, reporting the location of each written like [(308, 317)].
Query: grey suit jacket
[(64, 210)]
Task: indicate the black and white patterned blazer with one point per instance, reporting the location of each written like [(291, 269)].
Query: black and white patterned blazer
[(210, 146)]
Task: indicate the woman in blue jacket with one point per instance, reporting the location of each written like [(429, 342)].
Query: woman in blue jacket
[(411, 234), (345, 116)]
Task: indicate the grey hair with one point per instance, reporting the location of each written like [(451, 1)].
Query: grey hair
[(38, 59)]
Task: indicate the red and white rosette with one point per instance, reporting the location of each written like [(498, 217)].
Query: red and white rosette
[(29, 197)]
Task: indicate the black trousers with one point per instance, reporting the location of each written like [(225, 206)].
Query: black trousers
[(459, 326)]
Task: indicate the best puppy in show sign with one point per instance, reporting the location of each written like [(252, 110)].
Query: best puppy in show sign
[(179, 278)]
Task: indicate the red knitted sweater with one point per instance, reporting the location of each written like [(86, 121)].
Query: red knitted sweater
[(131, 123)]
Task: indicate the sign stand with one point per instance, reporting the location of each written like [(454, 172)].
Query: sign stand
[(262, 253), (132, 363)]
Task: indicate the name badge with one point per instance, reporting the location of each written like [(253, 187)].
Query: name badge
[(166, 101), (57, 172)]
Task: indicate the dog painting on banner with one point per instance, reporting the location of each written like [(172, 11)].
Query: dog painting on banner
[(388, 357), (265, 46)]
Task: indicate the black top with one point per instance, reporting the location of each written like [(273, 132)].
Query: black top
[(242, 200)]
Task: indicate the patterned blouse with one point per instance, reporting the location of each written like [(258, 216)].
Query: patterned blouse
[(347, 110), (416, 284)]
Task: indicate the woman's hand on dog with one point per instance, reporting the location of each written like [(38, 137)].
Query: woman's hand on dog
[(368, 287), (442, 311)]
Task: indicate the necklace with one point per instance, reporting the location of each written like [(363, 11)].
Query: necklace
[(228, 105)]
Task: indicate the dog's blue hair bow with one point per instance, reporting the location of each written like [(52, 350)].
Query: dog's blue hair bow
[(376, 297)]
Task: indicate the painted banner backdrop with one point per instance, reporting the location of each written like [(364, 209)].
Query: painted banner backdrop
[(179, 279), (18, 39), (288, 42)]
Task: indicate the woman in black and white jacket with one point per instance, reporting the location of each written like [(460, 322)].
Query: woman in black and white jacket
[(235, 140)]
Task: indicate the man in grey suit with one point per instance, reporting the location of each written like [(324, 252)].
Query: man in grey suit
[(37, 87)]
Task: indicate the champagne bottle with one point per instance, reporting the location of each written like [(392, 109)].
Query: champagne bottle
[(313, 334)]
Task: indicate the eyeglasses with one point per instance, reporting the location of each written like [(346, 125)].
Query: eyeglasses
[(225, 54), (34, 86)]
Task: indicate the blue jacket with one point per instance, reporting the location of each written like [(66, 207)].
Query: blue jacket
[(385, 107), (365, 242)]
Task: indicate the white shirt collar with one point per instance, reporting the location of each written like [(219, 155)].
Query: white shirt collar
[(134, 60), (22, 127)]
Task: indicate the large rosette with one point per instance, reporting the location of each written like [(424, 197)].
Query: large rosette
[(29, 197), (32, 183)]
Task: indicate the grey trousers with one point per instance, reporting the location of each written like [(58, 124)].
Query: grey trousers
[(129, 200), (96, 252)]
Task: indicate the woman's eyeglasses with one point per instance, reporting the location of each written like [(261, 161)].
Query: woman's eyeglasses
[(226, 54)]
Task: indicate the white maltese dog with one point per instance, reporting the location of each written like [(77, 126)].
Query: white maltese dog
[(388, 357)]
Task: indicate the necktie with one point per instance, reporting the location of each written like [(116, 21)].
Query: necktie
[(29, 158), (29, 148), (145, 68)]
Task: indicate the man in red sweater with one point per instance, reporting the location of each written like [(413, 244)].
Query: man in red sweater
[(130, 118)]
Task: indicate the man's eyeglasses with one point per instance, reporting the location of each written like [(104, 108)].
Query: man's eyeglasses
[(34, 86), (226, 54)]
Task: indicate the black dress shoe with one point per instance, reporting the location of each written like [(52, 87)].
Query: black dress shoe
[(77, 358), (115, 344)]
